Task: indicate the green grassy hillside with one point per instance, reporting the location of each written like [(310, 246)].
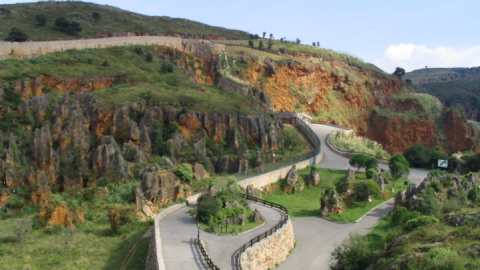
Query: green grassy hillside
[(451, 85), (113, 20)]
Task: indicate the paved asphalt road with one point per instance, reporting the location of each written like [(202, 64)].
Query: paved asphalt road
[(179, 230), (316, 237)]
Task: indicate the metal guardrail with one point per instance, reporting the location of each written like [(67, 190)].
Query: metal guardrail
[(205, 255), (264, 235)]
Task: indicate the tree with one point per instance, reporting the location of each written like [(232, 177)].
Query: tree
[(166, 67), (318, 43), (257, 36), (207, 206), (264, 34), (149, 57), (352, 254), (418, 155), (298, 41), (17, 34), (184, 171), (271, 35), (250, 43), (270, 44), (41, 19), (260, 45), (313, 44), (359, 161), (372, 163), (281, 39), (399, 72), (96, 16), (437, 153), (399, 166), (66, 26)]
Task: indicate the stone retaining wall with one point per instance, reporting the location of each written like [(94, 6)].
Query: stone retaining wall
[(200, 48), (272, 250)]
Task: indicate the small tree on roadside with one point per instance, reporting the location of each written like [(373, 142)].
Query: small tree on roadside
[(298, 41), (318, 43), (96, 16), (260, 45), (372, 163), (41, 19), (359, 161), (264, 34), (270, 44), (271, 35), (281, 39), (250, 43), (399, 166), (17, 34), (399, 72), (22, 227), (313, 44)]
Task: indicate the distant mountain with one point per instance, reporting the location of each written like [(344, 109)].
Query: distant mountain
[(451, 85)]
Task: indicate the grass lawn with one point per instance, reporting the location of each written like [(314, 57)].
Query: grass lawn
[(92, 247), (352, 214), (235, 229), (306, 203)]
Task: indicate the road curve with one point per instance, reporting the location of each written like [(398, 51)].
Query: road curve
[(179, 230), (316, 237)]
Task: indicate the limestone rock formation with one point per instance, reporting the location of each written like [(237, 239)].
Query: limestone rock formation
[(350, 175), (313, 178), (156, 187), (199, 172), (115, 218), (251, 191), (256, 217), (108, 161), (5, 196), (240, 220), (331, 203), (292, 177)]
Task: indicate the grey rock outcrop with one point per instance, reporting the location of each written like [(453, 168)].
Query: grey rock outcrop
[(292, 177), (256, 217), (313, 178)]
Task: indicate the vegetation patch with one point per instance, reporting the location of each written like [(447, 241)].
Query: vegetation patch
[(354, 144)]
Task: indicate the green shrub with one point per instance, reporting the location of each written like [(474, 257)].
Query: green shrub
[(418, 155), (166, 67), (359, 161), (105, 63), (41, 19), (17, 34), (399, 166), (207, 206), (437, 172), (430, 206), (138, 50), (374, 189), (372, 163), (352, 254), (371, 173), (66, 26), (96, 16), (420, 221), (149, 57), (402, 216), (184, 171), (474, 194)]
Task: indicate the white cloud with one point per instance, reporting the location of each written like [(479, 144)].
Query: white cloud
[(410, 57)]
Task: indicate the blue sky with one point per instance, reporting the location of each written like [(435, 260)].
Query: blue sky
[(411, 34)]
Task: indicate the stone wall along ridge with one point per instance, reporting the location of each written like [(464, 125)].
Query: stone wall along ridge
[(201, 48), (272, 250)]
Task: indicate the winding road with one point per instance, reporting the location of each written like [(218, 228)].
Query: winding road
[(316, 237)]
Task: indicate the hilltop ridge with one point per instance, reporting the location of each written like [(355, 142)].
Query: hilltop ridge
[(113, 22)]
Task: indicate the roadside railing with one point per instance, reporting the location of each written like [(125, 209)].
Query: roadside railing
[(266, 234), (205, 255)]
